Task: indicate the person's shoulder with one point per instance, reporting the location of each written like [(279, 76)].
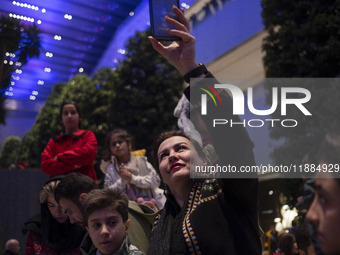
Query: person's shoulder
[(133, 250)]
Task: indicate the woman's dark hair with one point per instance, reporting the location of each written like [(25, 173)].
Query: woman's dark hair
[(75, 105), (121, 133), (286, 243)]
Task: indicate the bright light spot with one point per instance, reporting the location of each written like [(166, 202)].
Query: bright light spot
[(277, 220), (14, 2), (32, 98), (67, 16), (81, 70), (11, 15), (10, 89), (57, 37), (43, 10), (36, 8), (186, 6), (39, 21), (271, 192), (18, 63), (12, 83), (5, 61), (40, 82), (18, 71), (35, 93), (9, 93), (121, 51), (49, 54), (25, 5), (7, 54), (131, 14), (10, 63), (47, 69)]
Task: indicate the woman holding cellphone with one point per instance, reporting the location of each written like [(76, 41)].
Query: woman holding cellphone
[(203, 216)]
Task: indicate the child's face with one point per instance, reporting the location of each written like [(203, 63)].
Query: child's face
[(107, 230), (119, 146)]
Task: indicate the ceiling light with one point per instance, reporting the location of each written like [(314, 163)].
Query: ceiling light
[(81, 70)]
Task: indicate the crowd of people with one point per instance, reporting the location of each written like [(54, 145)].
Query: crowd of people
[(132, 215)]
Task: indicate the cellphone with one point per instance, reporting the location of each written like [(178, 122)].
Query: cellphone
[(159, 27)]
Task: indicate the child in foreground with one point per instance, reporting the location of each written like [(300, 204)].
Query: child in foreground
[(106, 217)]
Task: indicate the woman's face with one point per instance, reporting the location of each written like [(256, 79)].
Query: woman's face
[(56, 210), (174, 161), (70, 118), (119, 147)]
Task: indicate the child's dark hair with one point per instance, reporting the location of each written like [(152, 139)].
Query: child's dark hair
[(75, 105), (121, 133), (286, 243), (101, 198)]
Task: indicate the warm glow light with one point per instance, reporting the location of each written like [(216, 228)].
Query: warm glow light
[(131, 14), (81, 70)]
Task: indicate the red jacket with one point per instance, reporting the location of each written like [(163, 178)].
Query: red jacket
[(77, 149)]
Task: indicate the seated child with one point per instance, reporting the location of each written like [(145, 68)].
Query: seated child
[(131, 173), (107, 223)]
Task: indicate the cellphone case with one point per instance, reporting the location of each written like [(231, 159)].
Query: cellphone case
[(159, 27)]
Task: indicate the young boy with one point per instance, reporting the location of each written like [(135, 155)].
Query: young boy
[(70, 195), (107, 223)]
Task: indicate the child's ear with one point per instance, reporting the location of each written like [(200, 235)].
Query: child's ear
[(127, 225)]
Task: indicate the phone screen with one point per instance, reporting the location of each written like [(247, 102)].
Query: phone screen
[(158, 10)]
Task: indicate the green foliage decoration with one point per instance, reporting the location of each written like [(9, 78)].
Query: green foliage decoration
[(140, 96)]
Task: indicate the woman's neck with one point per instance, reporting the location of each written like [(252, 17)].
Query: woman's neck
[(124, 159), (181, 193), (71, 131)]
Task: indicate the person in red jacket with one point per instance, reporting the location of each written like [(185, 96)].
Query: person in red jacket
[(74, 150)]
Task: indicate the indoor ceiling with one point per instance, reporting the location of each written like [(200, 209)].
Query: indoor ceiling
[(74, 34)]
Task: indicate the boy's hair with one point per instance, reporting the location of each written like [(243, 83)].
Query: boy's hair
[(121, 133), (101, 198), (72, 186)]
